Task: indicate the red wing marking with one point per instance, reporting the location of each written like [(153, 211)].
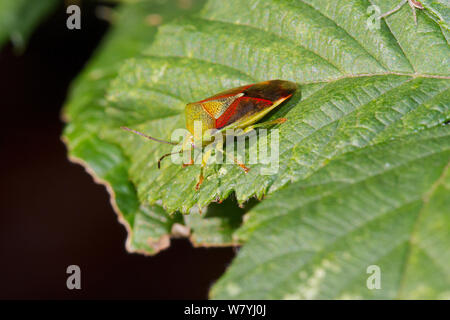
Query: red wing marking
[(223, 119), (226, 94), (265, 101), (244, 108)]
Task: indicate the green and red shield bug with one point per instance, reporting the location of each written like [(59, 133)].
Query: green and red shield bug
[(237, 108)]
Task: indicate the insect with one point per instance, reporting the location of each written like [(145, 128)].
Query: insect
[(237, 108), (414, 4)]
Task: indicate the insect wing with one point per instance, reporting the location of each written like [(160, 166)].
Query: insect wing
[(235, 104), (227, 93), (257, 100), (240, 108)]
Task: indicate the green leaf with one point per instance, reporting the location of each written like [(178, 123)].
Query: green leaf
[(439, 11), (18, 18), (148, 226), (361, 90), (217, 226), (358, 87), (386, 204)]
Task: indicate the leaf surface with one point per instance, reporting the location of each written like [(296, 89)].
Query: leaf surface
[(358, 87), (385, 205), (363, 156)]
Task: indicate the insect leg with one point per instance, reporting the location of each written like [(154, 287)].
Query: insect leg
[(394, 10), (236, 161), (232, 157), (264, 124), (205, 158), (413, 8), (188, 146)]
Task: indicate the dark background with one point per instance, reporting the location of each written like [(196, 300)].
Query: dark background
[(52, 213)]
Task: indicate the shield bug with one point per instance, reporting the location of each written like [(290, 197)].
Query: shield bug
[(237, 108)]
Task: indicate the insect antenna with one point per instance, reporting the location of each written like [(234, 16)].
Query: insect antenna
[(166, 155), (148, 137)]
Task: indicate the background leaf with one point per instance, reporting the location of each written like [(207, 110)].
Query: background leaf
[(365, 94), (18, 18)]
